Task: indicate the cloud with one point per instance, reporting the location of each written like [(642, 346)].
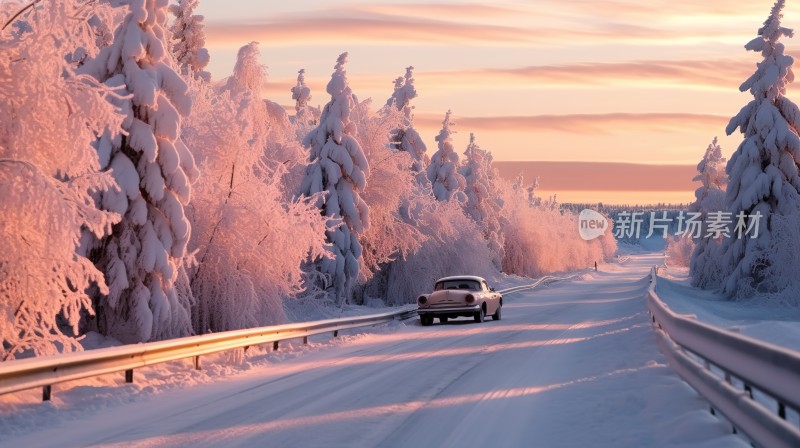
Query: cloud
[(372, 29), (463, 11), (582, 123), (363, 27), (707, 73), (620, 9)]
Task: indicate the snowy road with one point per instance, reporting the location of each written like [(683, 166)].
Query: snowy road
[(574, 364)]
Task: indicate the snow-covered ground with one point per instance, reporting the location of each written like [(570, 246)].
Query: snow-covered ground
[(777, 323), (572, 364)]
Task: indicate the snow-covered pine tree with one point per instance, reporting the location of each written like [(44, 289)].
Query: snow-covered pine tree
[(301, 94), (48, 171), (392, 235), (406, 138), (189, 40), (704, 264), (763, 172), (483, 203), (154, 170), (442, 172), (711, 174), (338, 168)]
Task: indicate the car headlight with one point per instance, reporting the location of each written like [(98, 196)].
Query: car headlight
[(422, 300), (470, 298)]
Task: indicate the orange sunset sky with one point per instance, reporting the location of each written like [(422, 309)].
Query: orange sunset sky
[(623, 82)]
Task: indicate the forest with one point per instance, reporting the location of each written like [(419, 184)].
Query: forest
[(144, 200)]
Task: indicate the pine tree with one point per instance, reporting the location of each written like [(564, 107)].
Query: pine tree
[(406, 138), (189, 40), (442, 172), (763, 172), (155, 170), (483, 203), (305, 117), (711, 174), (302, 95), (338, 169), (710, 198)]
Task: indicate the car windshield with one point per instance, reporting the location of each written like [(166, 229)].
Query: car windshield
[(458, 284)]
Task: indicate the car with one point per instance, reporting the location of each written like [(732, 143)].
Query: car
[(457, 296)]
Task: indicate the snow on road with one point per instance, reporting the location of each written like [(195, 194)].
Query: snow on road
[(573, 364), (761, 317)]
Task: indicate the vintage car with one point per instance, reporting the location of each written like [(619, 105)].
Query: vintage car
[(462, 295)]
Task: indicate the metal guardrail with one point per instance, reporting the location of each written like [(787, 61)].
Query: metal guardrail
[(43, 372), (757, 365), (46, 371), (542, 281)]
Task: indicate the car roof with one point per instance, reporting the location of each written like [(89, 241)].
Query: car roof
[(461, 277)]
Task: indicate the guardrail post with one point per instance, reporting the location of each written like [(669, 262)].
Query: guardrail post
[(197, 365), (336, 333), (46, 390), (129, 376), (781, 410), (275, 346), (305, 339), (749, 390)]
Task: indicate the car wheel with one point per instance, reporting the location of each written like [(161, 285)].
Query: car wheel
[(479, 315), (425, 320), (496, 315), (443, 320)]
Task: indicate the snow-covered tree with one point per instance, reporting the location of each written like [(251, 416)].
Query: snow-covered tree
[(453, 245), (711, 174), (339, 170), (249, 74), (301, 94), (250, 242), (390, 237), (189, 40), (155, 170), (533, 200), (483, 203), (710, 198), (48, 173), (679, 250), (763, 171), (405, 137), (442, 172), (543, 240), (519, 183), (304, 118)]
